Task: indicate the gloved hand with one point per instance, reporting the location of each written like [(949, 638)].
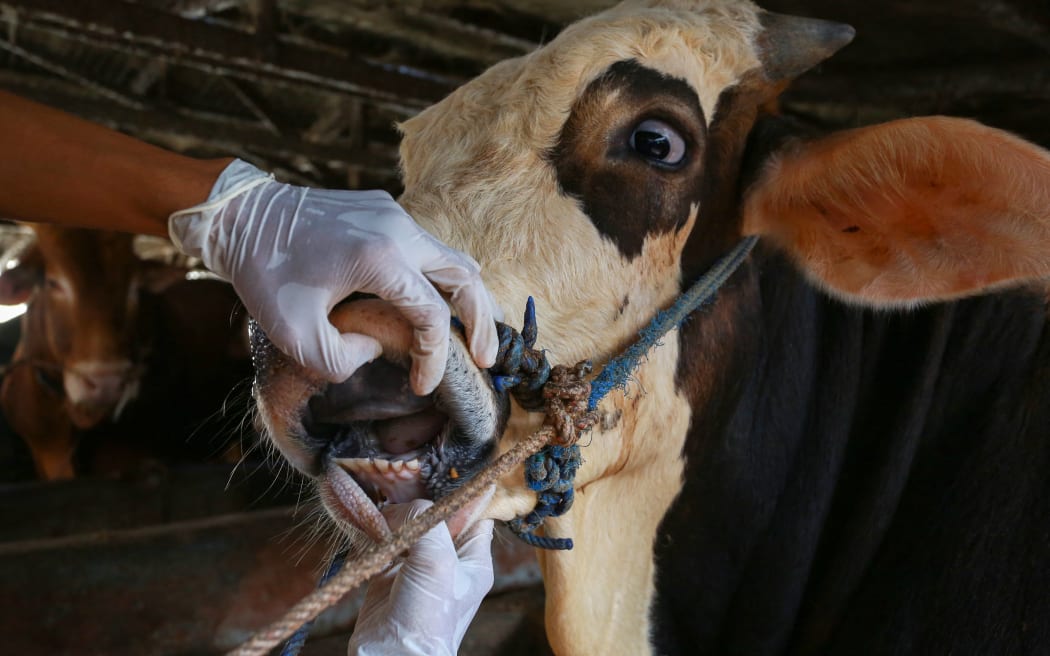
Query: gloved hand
[(293, 253), (424, 605)]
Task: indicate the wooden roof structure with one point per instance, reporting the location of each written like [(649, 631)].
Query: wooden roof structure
[(313, 88)]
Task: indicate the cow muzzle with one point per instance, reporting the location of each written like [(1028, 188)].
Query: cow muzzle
[(369, 439), (98, 390)]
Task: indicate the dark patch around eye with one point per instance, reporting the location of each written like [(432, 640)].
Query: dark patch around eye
[(737, 147), (626, 197)]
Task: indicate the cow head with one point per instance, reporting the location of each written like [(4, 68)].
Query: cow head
[(599, 174), (81, 350)]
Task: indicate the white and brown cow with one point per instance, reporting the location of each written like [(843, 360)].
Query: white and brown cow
[(802, 468), (120, 360)]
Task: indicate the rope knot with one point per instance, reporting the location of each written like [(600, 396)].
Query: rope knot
[(565, 395), (562, 393), (521, 369)]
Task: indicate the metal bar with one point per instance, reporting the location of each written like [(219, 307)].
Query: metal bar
[(226, 49)]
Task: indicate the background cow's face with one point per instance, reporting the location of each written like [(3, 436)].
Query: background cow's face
[(80, 356), (89, 328)]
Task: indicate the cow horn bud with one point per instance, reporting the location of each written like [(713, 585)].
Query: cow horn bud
[(789, 45)]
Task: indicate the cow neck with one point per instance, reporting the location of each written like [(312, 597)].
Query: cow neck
[(551, 472), (618, 371)]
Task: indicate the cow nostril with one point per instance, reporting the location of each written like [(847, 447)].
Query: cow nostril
[(98, 383)]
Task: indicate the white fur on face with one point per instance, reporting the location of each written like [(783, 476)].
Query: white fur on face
[(478, 177)]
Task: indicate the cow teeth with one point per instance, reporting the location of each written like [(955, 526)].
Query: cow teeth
[(412, 465), (397, 465), (382, 466), (354, 464)]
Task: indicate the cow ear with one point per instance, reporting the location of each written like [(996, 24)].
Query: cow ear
[(20, 274), (909, 211)]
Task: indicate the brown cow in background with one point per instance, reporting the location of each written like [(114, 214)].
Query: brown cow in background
[(120, 360)]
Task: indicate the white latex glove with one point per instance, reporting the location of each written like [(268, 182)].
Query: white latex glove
[(293, 253), (424, 604)]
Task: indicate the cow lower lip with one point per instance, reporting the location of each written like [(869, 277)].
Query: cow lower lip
[(372, 464), (345, 498)]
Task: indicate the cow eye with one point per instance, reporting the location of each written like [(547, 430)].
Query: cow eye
[(658, 142)]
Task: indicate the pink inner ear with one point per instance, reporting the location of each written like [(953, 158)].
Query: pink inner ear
[(913, 210)]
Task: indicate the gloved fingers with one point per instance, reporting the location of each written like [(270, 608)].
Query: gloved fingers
[(475, 559), (430, 566), (424, 308), (368, 196), (357, 349), (459, 275), (376, 602), (476, 542), (397, 514), (318, 345), (474, 307), (474, 576), (296, 321), (332, 354), (429, 350)]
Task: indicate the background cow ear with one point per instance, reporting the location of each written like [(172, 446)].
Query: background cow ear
[(909, 211), (20, 273)]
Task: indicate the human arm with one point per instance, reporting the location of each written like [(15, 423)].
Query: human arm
[(57, 168), (291, 253)]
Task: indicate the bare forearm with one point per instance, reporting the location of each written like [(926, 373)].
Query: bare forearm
[(57, 168)]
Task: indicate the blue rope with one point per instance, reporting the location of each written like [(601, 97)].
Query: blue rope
[(298, 639), (551, 471), (618, 370)]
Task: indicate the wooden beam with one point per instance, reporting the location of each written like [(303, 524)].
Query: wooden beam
[(193, 8), (928, 89), (131, 27), (427, 30)]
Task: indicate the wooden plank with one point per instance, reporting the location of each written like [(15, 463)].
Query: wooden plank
[(197, 587), (39, 511)]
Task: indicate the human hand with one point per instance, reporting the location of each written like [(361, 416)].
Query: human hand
[(424, 604), (293, 253)]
